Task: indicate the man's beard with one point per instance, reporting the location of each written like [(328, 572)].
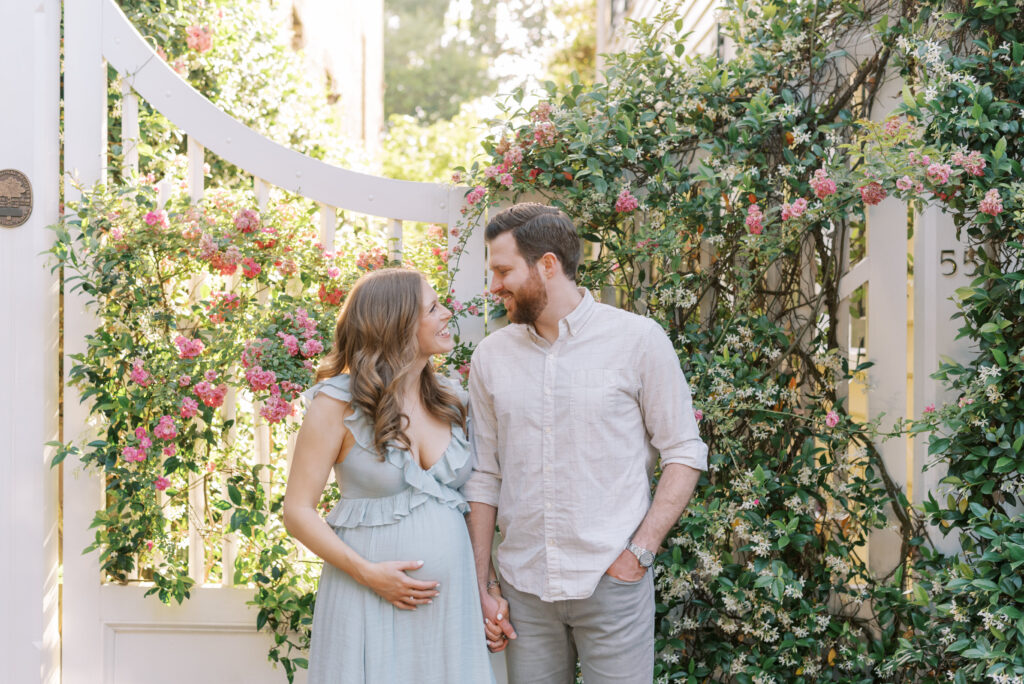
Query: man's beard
[(529, 301)]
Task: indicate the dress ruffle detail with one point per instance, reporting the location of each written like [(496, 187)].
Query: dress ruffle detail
[(423, 485)]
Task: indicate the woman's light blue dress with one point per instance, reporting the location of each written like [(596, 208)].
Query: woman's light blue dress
[(395, 510)]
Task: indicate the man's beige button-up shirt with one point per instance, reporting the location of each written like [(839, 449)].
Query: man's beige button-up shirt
[(567, 436)]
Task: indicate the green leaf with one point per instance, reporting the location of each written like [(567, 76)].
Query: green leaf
[(1000, 150)]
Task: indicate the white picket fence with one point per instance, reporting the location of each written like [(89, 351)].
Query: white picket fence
[(111, 633)]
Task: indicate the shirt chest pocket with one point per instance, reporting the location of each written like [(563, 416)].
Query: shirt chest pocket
[(596, 393)]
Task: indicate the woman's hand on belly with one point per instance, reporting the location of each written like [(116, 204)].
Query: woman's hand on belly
[(390, 581)]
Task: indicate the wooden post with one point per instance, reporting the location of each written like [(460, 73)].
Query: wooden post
[(85, 135), (29, 157), (941, 265), (887, 348)]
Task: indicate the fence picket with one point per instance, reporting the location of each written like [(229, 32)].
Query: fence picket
[(196, 176), (395, 240), (328, 226), (129, 129)]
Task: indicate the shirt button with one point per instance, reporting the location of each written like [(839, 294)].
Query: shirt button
[(551, 357), (551, 542), (547, 430), (548, 505)]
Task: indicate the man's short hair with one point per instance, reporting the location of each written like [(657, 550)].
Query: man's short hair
[(537, 230)]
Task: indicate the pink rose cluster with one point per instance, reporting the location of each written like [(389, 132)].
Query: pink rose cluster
[(973, 163), (260, 379), (938, 173), (832, 419), (139, 375), (754, 218), (794, 210), (211, 395), (189, 408), (220, 304), (247, 221), (375, 259), (476, 194), (872, 193), (137, 453), (822, 185), (992, 204), (157, 219), (275, 409), (625, 202), (199, 38), (544, 134), (166, 429), (188, 348), (250, 268)]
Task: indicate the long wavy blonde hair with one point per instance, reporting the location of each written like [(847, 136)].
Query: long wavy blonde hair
[(375, 343)]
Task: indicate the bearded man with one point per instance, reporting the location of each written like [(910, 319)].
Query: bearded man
[(572, 405)]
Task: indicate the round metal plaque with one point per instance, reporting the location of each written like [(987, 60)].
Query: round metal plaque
[(15, 198)]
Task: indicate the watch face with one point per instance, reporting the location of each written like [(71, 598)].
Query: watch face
[(646, 559)]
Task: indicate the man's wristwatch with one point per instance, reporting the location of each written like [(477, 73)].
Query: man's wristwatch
[(643, 556)]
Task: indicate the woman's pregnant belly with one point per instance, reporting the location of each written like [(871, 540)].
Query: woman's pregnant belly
[(432, 532)]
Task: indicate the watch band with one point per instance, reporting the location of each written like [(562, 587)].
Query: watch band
[(643, 556)]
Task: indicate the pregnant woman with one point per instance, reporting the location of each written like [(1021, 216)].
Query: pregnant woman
[(397, 600)]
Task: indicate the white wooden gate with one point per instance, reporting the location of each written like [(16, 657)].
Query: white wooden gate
[(112, 635)]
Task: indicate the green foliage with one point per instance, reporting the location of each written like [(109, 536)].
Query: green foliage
[(971, 627), (428, 152), (439, 54)]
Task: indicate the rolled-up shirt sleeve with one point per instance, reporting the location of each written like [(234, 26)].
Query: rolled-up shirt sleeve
[(484, 485), (667, 404)]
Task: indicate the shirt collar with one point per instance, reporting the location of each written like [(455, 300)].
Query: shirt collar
[(574, 321), (578, 317)]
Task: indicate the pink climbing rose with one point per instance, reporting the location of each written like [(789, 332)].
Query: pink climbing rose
[(166, 428), (992, 204), (625, 202), (247, 221), (754, 217), (794, 210), (832, 419), (189, 407), (872, 193), (822, 185), (476, 194), (139, 375), (938, 173), (188, 349), (199, 38)]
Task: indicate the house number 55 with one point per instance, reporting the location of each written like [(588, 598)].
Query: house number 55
[(947, 258)]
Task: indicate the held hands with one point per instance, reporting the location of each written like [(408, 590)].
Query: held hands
[(496, 623), (390, 581), (626, 568)]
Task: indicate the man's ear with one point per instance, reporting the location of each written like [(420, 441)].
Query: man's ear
[(550, 265)]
